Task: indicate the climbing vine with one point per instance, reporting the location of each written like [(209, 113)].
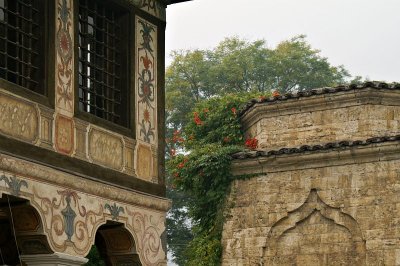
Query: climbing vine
[(202, 169)]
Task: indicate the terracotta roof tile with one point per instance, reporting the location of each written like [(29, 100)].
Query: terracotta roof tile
[(308, 93), (320, 147)]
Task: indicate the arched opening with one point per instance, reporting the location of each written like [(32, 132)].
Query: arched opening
[(115, 245), (21, 231)]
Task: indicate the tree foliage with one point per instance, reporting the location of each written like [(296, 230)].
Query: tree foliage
[(212, 133), (204, 90), (237, 65)]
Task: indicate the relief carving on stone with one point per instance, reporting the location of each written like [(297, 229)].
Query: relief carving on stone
[(313, 208), (18, 119), (105, 148)]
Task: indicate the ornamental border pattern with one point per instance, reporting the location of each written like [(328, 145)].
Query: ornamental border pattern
[(64, 57), (146, 35), (153, 7), (71, 218)]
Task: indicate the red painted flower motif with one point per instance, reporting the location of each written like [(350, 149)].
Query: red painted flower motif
[(146, 61), (251, 143), (146, 115)]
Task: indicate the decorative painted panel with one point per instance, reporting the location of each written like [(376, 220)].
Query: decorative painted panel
[(18, 118), (71, 218), (146, 76), (144, 162), (105, 148), (46, 127), (65, 62), (152, 7), (64, 134)]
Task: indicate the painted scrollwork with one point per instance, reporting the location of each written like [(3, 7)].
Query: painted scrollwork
[(68, 221), (71, 218), (64, 43), (146, 39), (147, 229)]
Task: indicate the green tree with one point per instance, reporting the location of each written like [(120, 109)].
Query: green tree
[(236, 65), (212, 133), (199, 80), (296, 66)]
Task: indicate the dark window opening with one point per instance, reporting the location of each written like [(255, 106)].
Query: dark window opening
[(21, 26), (102, 74)]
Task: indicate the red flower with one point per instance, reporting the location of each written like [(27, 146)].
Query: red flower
[(176, 175), (182, 164), (177, 137), (233, 110), (251, 143), (197, 119), (276, 94)]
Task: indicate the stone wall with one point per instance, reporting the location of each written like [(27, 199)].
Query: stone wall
[(324, 117), (335, 204)]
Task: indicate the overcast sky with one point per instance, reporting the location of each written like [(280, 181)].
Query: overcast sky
[(362, 35)]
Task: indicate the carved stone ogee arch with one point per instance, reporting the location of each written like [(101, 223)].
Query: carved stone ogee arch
[(312, 205)]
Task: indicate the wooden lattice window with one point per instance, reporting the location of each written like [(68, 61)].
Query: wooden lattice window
[(103, 46), (21, 43)]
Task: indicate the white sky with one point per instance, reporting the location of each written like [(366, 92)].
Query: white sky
[(362, 35)]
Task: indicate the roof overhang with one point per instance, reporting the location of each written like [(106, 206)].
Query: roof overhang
[(170, 2)]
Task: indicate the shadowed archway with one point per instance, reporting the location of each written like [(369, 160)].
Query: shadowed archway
[(116, 245)]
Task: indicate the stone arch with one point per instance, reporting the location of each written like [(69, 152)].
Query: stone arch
[(315, 209), (116, 244)]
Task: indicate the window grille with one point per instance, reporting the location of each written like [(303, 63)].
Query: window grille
[(20, 41), (102, 45)]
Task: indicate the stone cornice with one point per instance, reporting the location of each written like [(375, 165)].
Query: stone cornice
[(316, 100), (81, 183), (334, 156)]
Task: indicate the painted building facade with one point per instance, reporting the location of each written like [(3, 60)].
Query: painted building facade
[(81, 131)]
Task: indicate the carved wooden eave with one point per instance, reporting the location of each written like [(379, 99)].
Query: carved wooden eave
[(316, 159), (325, 101)]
